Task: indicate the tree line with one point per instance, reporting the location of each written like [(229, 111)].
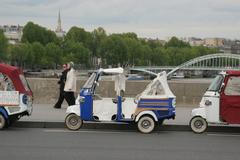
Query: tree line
[(41, 48)]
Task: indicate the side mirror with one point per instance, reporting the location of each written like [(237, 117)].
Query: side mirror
[(81, 99)]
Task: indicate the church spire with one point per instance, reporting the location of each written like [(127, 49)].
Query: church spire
[(59, 32), (59, 25)]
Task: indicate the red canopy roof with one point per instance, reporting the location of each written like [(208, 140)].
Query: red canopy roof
[(233, 72), (13, 73)]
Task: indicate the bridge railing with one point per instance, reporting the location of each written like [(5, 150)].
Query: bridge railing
[(218, 61)]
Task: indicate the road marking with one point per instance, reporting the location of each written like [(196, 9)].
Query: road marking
[(223, 135)]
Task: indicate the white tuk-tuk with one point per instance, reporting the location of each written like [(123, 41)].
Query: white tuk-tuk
[(220, 104), (153, 105)]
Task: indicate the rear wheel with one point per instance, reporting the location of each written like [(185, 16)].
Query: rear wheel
[(3, 122), (198, 124), (146, 124), (73, 122)]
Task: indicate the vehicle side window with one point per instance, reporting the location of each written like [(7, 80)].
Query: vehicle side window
[(233, 86), (6, 83), (156, 89)]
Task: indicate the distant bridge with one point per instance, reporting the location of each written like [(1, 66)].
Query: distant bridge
[(216, 62)]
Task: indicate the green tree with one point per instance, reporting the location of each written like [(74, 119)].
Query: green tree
[(147, 54), (98, 35), (76, 52), (76, 34), (175, 42), (3, 46), (159, 57), (18, 54), (35, 33), (114, 50), (134, 53), (154, 43), (53, 55), (129, 35), (38, 55)]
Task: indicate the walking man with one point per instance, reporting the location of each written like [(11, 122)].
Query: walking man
[(70, 85), (61, 82)]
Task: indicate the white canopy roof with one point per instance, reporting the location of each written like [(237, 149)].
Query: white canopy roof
[(157, 88), (113, 70)]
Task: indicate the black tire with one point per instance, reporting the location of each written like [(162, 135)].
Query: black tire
[(198, 124), (3, 122), (160, 122), (12, 120), (73, 122), (146, 124)]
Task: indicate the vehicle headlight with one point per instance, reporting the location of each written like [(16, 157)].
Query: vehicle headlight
[(174, 102), (25, 99)]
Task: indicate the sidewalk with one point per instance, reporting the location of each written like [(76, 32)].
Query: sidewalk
[(46, 113), (45, 116)]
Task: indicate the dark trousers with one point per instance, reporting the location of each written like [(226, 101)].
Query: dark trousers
[(70, 98), (60, 100)]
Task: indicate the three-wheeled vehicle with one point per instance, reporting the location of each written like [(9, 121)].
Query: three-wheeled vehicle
[(15, 95), (155, 104), (220, 104)]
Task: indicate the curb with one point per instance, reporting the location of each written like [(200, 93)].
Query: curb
[(122, 126)]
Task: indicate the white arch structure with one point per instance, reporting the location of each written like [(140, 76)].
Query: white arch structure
[(219, 61)]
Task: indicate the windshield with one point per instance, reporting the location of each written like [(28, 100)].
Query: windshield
[(216, 83), (90, 81)]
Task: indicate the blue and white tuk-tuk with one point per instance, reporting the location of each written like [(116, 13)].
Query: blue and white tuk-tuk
[(155, 104)]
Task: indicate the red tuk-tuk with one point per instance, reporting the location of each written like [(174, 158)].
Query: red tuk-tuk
[(220, 104), (15, 95)]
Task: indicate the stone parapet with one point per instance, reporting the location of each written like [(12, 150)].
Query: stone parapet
[(46, 91)]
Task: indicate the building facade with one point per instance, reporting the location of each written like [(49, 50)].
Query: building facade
[(13, 33), (214, 42), (235, 48)]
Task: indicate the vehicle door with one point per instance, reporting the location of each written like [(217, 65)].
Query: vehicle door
[(230, 100)]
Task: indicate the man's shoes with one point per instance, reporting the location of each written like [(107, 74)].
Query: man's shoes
[(56, 107)]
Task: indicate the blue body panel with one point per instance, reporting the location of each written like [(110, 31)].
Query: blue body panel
[(86, 107), (143, 103), (119, 109), (170, 113), (4, 112), (163, 108)]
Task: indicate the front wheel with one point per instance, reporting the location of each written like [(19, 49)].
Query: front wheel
[(198, 124), (146, 124), (3, 122), (73, 122)]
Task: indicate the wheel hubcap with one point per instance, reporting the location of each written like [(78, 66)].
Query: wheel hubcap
[(146, 124), (73, 121), (198, 124)]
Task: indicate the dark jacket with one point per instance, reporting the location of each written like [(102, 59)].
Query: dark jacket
[(62, 80)]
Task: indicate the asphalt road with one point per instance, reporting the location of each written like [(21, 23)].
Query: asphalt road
[(61, 144)]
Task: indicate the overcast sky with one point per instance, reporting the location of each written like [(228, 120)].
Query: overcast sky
[(148, 18)]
